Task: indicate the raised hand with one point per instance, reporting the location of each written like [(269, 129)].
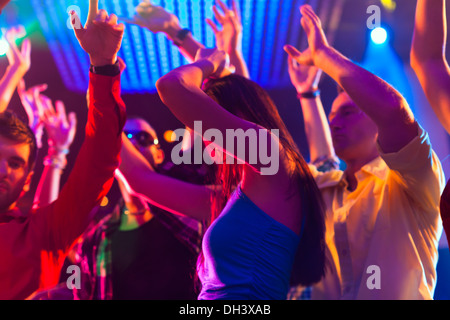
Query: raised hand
[(155, 18), (304, 78), (19, 64), (28, 99), (316, 38), (101, 37), (60, 128), (229, 38), (33, 109), (19, 59), (41, 113)]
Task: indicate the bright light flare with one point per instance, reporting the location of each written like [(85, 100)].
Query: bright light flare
[(4, 47), (379, 35)]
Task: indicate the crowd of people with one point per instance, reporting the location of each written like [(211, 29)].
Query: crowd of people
[(226, 229)]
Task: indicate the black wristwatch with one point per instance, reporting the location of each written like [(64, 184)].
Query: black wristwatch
[(309, 94), (181, 35), (111, 70)]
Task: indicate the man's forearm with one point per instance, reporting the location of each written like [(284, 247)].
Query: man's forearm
[(384, 105), (49, 183), (188, 46), (8, 85), (317, 129), (430, 31), (427, 56), (376, 98), (48, 188)]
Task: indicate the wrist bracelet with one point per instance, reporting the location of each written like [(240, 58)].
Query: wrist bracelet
[(309, 94), (52, 151), (55, 162), (181, 35)]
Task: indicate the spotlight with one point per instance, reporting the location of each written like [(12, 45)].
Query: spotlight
[(379, 35), (389, 5)]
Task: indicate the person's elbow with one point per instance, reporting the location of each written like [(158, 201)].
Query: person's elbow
[(168, 85), (399, 114)]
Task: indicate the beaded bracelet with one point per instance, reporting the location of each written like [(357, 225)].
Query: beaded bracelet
[(56, 158), (56, 162)]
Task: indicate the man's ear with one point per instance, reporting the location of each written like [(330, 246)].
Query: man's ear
[(27, 184)]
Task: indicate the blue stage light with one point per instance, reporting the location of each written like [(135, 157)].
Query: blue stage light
[(258, 38), (267, 26), (197, 20), (269, 39), (209, 34), (174, 54), (379, 35), (281, 40), (246, 13)]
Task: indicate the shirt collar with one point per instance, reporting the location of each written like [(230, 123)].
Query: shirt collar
[(376, 167)]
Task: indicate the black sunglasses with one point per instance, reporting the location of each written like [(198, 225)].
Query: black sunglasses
[(143, 138)]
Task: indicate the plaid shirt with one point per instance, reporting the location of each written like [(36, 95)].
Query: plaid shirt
[(93, 250)]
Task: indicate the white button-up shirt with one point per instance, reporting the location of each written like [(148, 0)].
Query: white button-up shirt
[(382, 238)]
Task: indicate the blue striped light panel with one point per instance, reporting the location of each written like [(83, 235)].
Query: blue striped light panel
[(267, 26)]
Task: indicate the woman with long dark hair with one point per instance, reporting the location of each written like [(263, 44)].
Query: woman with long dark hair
[(260, 221)]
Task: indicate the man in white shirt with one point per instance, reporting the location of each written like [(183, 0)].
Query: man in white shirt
[(383, 224)]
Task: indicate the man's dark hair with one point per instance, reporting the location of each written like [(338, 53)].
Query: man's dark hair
[(12, 128)]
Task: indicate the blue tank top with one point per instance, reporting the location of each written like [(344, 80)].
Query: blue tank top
[(247, 254)]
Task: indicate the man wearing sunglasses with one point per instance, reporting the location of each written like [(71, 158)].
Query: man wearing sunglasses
[(144, 138), (157, 249)]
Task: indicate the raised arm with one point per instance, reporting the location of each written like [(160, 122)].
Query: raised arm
[(229, 37), (181, 92), (60, 130), (305, 79), (192, 200), (428, 56), (60, 134), (98, 158), (157, 19), (19, 64), (376, 98)]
